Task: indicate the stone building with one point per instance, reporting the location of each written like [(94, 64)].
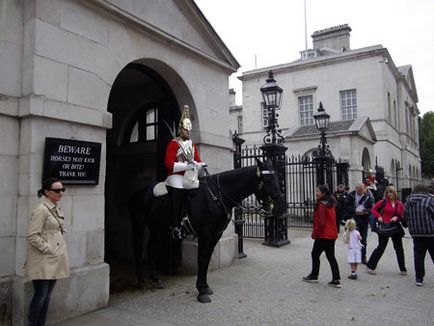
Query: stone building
[(108, 72), (371, 101)]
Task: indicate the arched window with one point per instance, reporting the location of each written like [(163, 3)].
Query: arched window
[(146, 126), (392, 172)]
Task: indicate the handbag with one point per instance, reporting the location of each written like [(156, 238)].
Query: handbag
[(388, 229), (391, 228)]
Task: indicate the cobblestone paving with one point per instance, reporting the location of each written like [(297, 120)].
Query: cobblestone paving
[(266, 289)]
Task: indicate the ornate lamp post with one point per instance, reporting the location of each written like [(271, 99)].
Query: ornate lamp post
[(272, 96), (238, 214), (323, 155), (276, 227)]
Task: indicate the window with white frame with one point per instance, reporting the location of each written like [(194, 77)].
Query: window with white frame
[(305, 109), (264, 116), (146, 126), (348, 99)]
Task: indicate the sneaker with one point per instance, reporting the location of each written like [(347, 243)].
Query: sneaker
[(352, 276), (335, 283), (310, 279), (403, 273), (419, 282), (371, 271)]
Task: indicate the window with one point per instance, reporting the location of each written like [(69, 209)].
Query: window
[(305, 109), (151, 124), (388, 107), (146, 127), (240, 124), (264, 116), (395, 113), (348, 104)]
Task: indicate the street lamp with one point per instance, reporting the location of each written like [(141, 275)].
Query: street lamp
[(323, 155), (272, 96), (276, 227)]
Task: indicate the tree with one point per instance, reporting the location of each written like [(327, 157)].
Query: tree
[(426, 140)]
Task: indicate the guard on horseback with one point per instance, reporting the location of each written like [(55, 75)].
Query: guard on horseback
[(183, 166)]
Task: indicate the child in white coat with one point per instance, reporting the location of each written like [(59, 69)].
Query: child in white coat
[(352, 237)]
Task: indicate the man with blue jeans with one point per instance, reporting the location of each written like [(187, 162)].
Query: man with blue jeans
[(419, 215), (358, 206)]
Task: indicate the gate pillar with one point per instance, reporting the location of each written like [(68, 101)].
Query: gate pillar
[(276, 227)]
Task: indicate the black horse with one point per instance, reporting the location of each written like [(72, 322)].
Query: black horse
[(209, 209)]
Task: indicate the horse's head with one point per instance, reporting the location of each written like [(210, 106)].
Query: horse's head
[(269, 192)]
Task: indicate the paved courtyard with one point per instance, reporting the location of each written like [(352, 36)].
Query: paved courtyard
[(266, 289)]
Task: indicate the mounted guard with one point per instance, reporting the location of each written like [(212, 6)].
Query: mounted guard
[(183, 165)]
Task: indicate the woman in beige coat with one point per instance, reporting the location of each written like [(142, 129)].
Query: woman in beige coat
[(47, 256)]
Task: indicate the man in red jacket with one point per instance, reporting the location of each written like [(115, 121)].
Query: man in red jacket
[(183, 164)]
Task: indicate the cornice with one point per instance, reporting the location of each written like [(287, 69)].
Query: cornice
[(142, 25), (376, 50)]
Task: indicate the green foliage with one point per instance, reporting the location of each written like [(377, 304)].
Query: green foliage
[(426, 139)]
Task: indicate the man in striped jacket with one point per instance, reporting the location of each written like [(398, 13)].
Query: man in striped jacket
[(419, 215)]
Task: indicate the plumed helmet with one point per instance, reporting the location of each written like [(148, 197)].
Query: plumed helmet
[(185, 122)]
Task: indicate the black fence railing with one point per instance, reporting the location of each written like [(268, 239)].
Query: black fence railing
[(301, 176)]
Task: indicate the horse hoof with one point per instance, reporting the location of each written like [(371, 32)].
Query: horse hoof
[(203, 298), (158, 284), (207, 290)]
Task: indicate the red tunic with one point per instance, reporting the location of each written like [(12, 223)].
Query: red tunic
[(171, 158), (324, 222)]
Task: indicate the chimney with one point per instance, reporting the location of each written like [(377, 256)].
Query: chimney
[(335, 38)]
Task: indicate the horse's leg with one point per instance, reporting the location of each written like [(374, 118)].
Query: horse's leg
[(211, 248), (138, 233), (205, 250), (151, 250)]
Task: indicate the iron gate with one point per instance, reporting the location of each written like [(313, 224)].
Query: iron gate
[(301, 175)]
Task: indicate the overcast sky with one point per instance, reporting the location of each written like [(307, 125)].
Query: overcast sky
[(274, 31)]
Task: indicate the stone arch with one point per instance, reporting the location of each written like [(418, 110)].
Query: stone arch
[(141, 87), (366, 160)]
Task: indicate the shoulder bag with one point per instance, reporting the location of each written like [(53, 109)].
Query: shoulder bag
[(391, 228)]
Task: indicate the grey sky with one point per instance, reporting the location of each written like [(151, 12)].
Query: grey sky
[(274, 31)]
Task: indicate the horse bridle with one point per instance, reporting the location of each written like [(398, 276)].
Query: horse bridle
[(268, 202), (251, 209)]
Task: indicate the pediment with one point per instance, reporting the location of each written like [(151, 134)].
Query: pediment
[(363, 127), (182, 21)]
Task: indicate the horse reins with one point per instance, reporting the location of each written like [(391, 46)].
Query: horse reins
[(244, 209)]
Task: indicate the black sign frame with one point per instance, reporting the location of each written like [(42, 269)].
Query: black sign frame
[(73, 162)]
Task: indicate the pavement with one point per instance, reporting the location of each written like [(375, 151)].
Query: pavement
[(265, 288)]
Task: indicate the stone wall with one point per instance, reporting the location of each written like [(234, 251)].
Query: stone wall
[(58, 62)]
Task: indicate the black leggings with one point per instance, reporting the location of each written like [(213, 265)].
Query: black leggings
[(327, 245), (382, 244)]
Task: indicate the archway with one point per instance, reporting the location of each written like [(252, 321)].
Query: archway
[(141, 101), (366, 163)]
